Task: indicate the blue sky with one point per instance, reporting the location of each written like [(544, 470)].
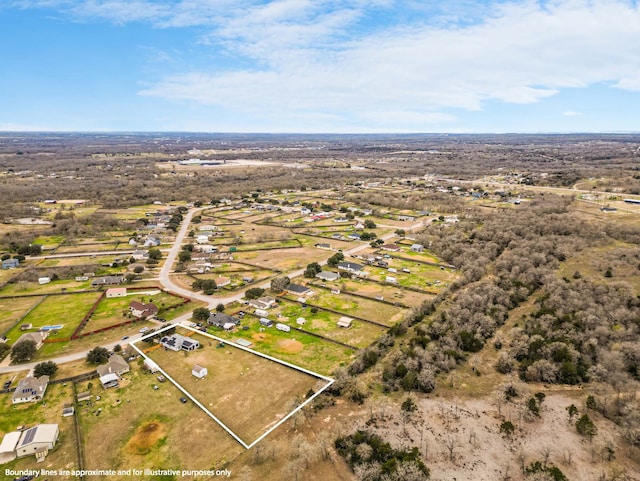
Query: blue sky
[(320, 65)]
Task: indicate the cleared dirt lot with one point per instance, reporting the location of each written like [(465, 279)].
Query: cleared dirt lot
[(246, 392)]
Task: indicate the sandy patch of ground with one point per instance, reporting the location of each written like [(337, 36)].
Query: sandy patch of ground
[(290, 345)]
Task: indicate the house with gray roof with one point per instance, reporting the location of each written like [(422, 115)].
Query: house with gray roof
[(30, 389)]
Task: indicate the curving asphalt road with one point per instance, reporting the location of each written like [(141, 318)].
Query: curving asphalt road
[(169, 285)]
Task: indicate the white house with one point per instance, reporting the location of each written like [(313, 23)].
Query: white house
[(44, 280), (202, 239), (140, 255), (327, 276), (176, 342), (262, 303), (282, 327), (199, 371)]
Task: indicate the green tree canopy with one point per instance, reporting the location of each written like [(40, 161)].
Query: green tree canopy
[(23, 351)]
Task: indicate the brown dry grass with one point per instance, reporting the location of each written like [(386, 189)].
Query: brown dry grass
[(245, 391), (290, 345), (183, 440)]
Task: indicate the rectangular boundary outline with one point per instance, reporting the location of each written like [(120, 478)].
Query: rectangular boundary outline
[(329, 380)]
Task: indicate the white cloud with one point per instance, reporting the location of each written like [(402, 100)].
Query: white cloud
[(319, 59), (520, 53), (571, 113)]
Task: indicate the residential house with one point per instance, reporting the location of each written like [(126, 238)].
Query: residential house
[(107, 281), (283, 327), (337, 236), (199, 371), (297, 289), (390, 247), (202, 239), (409, 218), (200, 256), (222, 281), (327, 276), (177, 342), (116, 292), (417, 248), (341, 220), (358, 225), (141, 310), (140, 255), (354, 236), (116, 365), (263, 302), (44, 280), (391, 280), (222, 320), (323, 246), (30, 389), (350, 267), (206, 248), (10, 263), (152, 241), (38, 337)]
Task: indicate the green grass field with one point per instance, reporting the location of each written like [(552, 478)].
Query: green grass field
[(115, 310), (248, 393), (12, 309), (360, 334), (67, 310), (295, 347), (366, 308), (23, 287)]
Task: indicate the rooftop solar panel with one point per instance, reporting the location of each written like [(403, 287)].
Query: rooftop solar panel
[(29, 435)]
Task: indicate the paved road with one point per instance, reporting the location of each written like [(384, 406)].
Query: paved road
[(167, 283)]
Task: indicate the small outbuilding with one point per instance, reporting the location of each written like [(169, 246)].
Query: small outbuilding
[(109, 380), (345, 322), (199, 371), (151, 366)]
